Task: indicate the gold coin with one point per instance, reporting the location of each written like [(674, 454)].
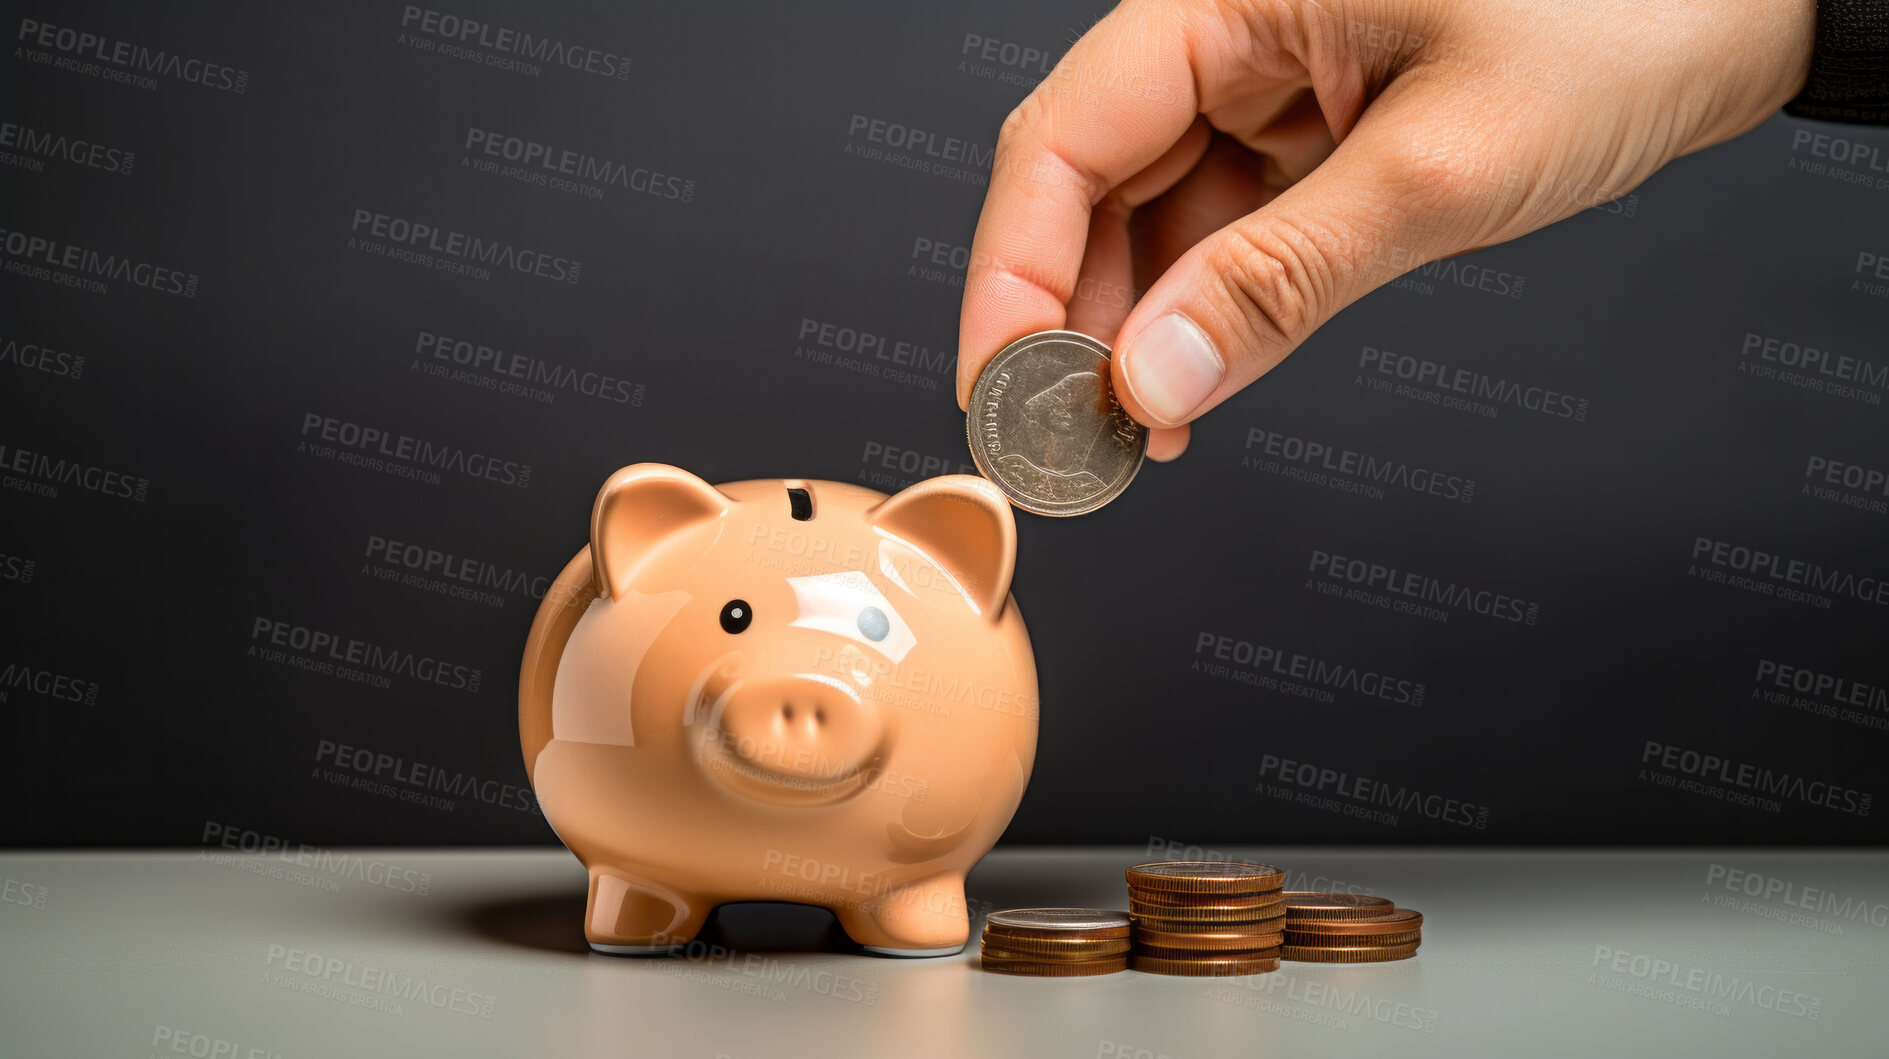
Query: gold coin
[(1051, 969), (1206, 876), (1348, 953), (1207, 940), (1306, 939), (1311, 904), (1056, 948), (1204, 966)]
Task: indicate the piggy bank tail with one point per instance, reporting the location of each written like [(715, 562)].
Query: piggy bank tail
[(564, 603)]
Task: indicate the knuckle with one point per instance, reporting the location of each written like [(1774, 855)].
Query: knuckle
[(1018, 125), (1025, 157), (1438, 176), (1276, 279)]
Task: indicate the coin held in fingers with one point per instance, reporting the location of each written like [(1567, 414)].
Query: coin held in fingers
[(1044, 425)]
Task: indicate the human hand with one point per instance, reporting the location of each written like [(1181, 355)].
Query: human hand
[(1258, 165)]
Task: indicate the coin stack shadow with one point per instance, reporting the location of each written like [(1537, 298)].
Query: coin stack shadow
[(1206, 918), (1055, 942), (1340, 928)]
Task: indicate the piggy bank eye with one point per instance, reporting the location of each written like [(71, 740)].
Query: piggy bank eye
[(735, 615), (873, 624)]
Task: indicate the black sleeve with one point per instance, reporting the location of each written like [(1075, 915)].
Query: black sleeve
[(1849, 66)]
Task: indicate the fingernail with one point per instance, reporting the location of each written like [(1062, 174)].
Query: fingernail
[(1172, 368)]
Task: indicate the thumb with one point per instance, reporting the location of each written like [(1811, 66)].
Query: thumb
[(1240, 300)]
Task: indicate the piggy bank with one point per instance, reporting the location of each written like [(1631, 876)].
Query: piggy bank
[(781, 690)]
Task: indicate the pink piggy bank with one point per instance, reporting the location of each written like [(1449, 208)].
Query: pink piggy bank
[(782, 691)]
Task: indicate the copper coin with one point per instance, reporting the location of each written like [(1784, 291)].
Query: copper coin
[(1247, 929), (1308, 904), (1182, 926), (1348, 953), (1205, 914), (1176, 899), (1059, 922), (1394, 921), (1255, 929), (1306, 939), (994, 952), (1056, 948), (1204, 966), (1153, 952), (1206, 876), (1050, 969), (1216, 941), (1214, 913)]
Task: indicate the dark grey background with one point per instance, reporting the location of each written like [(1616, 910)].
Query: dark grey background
[(143, 610)]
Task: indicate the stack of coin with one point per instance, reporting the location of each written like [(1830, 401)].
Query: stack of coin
[(1056, 942), (1206, 917), (1348, 928)]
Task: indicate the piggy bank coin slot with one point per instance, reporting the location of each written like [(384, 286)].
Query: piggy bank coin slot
[(800, 502)]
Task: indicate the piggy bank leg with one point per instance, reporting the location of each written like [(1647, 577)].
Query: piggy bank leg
[(638, 918), (925, 918)]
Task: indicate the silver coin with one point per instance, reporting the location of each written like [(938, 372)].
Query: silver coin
[(1059, 918), (1044, 425)]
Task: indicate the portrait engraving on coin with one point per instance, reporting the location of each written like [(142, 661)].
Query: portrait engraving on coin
[(1046, 428), (1062, 438)]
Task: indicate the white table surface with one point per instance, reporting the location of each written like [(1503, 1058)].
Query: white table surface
[(1579, 953)]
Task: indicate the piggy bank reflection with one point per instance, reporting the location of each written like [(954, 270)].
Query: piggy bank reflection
[(782, 690)]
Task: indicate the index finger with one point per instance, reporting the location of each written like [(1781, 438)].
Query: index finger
[(1115, 105)]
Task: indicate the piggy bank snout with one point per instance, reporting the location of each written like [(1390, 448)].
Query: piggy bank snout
[(800, 726)]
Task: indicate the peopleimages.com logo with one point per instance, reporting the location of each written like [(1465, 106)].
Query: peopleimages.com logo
[(90, 51), (1779, 575), (33, 356), (1337, 467), (1369, 796), (1264, 660), (68, 264), (392, 452), (1744, 783), (447, 250), (533, 375), (541, 163), (1462, 389), (296, 860), (374, 769), (320, 974), (1843, 691), (501, 46), (38, 144), (1703, 989), (43, 474), (320, 646), (1809, 898), (1417, 589), (48, 684)]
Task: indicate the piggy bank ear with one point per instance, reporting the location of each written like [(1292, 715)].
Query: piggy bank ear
[(963, 524), (642, 513)]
